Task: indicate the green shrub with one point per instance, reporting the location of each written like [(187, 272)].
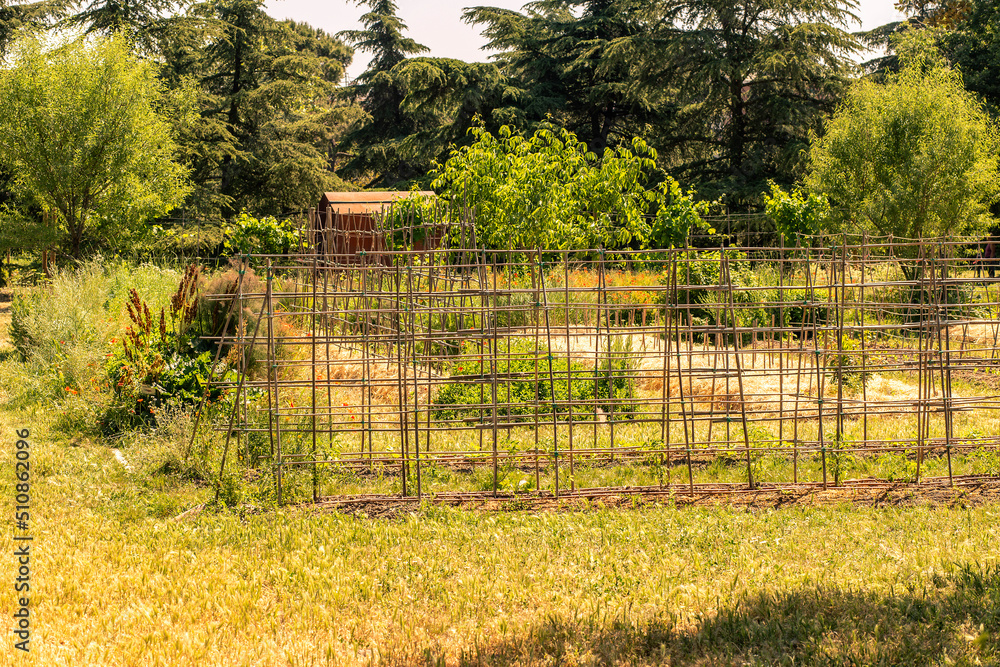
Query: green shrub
[(616, 377), (162, 363), (264, 236), (796, 213), (983, 461), (895, 467), (841, 463), (758, 307), (516, 385), (678, 214)]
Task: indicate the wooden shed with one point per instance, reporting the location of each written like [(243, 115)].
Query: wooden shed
[(346, 223)]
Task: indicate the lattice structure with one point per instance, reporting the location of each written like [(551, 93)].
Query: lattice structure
[(453, 371)]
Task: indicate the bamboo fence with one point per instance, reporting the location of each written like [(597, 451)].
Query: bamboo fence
[(447, 370)]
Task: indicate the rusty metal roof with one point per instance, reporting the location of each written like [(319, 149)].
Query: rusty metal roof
[(363, 202)]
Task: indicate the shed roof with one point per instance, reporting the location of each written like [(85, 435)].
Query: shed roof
[(364, 202)]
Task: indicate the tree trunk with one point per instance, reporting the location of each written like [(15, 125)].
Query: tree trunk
[(737, 135)]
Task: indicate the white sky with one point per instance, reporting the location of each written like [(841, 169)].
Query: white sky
[(438, 24)]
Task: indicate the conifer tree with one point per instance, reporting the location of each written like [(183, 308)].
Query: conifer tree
[(375, 142), (128, 16), (567, 58), (263, 117), (752, 80), (973, 46), (31, 16)]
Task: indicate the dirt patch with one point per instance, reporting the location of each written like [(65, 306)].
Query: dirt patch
[(775, 381), (985, 378)]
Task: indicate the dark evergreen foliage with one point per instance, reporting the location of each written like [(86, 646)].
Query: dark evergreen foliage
[(974, 48), (260, 136), (570, 61), (753, 79), (19, 16), (376, 141), (147, 22)]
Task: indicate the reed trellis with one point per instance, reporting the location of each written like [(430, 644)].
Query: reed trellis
[(453, 371)]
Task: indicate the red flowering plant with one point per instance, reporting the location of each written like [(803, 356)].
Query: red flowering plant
[(162, 363)]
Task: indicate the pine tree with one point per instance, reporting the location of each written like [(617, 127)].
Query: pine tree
[(570, 60), (920, 15), (376, 141), (445, 98), (973, 46), (146, 22), (18, 16), (263, 116), (753, 79)]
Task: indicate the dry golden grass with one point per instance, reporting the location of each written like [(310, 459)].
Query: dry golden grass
[(117, 582)]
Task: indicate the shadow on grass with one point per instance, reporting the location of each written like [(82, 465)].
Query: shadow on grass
[(955, 620)]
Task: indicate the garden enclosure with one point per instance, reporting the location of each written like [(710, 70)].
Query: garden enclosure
[(453, 371)]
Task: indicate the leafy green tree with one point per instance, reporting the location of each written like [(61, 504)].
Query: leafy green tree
[(915, 156), (80, 130), (549, 191), (376, 141), (678, 214), (265, 236), (18, 230)]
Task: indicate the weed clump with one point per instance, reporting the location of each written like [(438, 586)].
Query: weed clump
[(163, 361)]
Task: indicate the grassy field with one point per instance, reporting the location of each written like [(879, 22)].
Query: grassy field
[(124, 574), (120, 583)]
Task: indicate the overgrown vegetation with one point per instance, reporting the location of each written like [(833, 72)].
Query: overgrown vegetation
[(63, 333), (524, 387), (163, 364)]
